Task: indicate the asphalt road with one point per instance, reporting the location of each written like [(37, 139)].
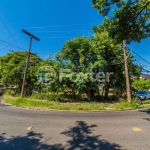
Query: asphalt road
[(73, 130)]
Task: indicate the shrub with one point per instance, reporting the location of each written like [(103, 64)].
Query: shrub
[(136, 102), (124, 96), (10, 92), (35, 96)]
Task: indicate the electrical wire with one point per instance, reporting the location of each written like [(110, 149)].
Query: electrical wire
[(61, 26), (57, 37), (9, 37), (8, 30), (44, 52), (140, 57), (143, 50), (12, 45), (60, 37), (9, 45), (147, 42), (64, 31)]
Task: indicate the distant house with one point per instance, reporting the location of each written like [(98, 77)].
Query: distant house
[(145, 76)]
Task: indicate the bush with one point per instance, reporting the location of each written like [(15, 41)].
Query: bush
[(122, 105), (136, 102), (51, 97), (10, 92), (35, 96), (124, 96)]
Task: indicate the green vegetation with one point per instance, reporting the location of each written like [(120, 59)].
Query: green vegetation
[(80, 58), (141, 84), (85, 106), (129, 19), (12, 69), (81, 66)]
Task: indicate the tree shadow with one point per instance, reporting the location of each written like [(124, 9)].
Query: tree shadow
[(146, 111), (32, 141), (81, 138)]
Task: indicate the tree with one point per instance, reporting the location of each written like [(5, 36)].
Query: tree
[(77, 55), (12, 69), (129, 21), (109, 59), (141, 84)]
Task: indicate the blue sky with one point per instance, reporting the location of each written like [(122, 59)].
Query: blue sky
[(54, 22)]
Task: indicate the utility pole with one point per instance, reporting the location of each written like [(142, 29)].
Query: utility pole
[(127, 73), (27, 60)]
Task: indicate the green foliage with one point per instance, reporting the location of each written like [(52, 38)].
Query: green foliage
[(91, 106), (36, 96), (83, 58), (12, 69), (124, 96), (141, 84), (136, 102), (130, 19), (146, 102)]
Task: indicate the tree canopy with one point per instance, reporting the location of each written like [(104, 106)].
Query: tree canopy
[(129, 19), (141, 84), (12, 69)]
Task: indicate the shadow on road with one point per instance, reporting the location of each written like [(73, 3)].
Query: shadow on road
[(32, 141), (146, 111), (4, 105), (81, 138)]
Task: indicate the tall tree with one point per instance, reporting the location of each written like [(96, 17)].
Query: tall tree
[(78, 55), (129, 19), (12, 69)]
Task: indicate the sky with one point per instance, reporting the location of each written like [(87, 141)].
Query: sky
[(54, 22)]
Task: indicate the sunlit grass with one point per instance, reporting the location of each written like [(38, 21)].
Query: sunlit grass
[(87, 106)]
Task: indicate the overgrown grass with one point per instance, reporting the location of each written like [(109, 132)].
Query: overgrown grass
[(54, 105), (87, 106)]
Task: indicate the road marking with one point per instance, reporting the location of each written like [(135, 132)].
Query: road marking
[(137, 129), (29, 128)]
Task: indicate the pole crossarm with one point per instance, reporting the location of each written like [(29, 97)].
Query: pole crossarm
[(31, 35)]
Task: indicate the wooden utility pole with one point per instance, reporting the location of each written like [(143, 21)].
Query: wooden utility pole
[(27, 60), (128, 89)]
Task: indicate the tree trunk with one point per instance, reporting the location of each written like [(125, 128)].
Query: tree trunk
[(99, 95), (106, 91)]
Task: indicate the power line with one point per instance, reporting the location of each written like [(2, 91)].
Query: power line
[(140, 57), (143, 65), (147, 42), (45, 53), (61, 26), (143, 50), (9, 45), (65, 31), (145, 70), (8, 30), (9, 37), (12, 44), (57, 37)]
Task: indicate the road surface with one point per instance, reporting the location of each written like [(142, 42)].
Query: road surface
[(50, 130)]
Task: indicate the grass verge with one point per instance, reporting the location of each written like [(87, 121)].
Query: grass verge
[(93, 106)]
